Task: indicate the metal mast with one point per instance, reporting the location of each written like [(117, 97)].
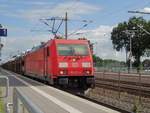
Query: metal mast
[(54, 23), (66, 26)]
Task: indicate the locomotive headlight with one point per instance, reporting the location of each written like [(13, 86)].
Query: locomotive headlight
[(61, 72), (88, 72), (63, 65), (86, 64)]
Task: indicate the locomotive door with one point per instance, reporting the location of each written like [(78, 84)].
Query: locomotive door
[(46, 54)]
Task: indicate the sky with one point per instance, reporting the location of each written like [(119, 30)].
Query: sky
[(25, 30)]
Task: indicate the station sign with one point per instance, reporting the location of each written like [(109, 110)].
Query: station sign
[(3, 32)]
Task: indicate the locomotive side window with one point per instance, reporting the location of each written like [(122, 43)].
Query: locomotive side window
[(48, 52), (72, 49)]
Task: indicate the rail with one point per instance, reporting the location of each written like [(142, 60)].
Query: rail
[(128, 83), (125, 91)]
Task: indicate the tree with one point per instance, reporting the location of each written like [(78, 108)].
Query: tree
[(97, 61), (140, 39), (146, 63), (106, 62)]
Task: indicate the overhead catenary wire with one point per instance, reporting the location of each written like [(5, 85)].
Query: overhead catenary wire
[(51, 22), (140, 26), (63, 19), (53, 29), (121, 10), (76, 31)]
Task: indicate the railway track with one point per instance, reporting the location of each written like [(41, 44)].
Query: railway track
[(132, 84), (121, 85), (81, 94)]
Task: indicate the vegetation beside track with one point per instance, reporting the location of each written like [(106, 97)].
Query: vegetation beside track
[(1, 103), (1, 106)]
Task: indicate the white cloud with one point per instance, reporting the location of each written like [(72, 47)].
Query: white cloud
[(102, 43), (60, 10), (100, 36), (43, 10), (146, 9), (13, 45), (39, 3)]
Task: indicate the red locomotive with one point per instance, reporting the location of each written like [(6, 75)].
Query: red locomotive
[(59, 61)]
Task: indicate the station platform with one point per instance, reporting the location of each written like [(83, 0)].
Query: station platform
[(49, 99)]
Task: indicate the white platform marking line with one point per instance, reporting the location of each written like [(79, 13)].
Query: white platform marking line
[(63, 105), (97, 106)]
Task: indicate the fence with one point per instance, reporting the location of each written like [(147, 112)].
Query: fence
[(121, 69), (21, 103), (20, 100), (4, 84)]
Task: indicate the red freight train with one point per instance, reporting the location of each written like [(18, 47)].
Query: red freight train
[(59, 61)]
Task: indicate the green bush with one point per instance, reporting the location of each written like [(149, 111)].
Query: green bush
[(1, 106)]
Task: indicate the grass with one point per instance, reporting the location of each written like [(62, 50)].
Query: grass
[(1, 106), (1, 103)]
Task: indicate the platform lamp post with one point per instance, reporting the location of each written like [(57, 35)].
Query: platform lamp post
[(140, 26), (131, 34)]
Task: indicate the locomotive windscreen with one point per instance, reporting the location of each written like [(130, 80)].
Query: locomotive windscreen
[(72, 50)]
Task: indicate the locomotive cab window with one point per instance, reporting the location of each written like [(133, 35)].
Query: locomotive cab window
[(72, 50)]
